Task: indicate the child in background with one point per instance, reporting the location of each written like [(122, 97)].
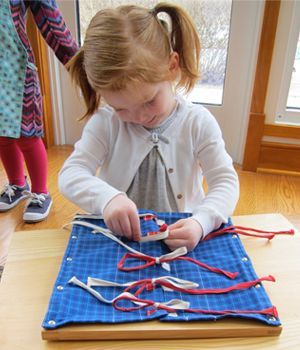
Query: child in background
[(151, 145), (21, 124)]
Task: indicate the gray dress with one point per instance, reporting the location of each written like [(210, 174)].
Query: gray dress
[(150, 188)]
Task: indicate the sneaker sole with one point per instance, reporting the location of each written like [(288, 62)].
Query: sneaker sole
[(33, 218), (8, 207)]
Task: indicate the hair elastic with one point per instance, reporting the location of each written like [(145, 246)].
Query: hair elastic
[(154, 12)]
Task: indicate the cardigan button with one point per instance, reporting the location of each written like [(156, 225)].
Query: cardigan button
[(179, 196), (170, 170)]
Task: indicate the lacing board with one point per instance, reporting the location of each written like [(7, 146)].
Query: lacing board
[(223, 284)]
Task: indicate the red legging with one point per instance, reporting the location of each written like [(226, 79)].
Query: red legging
[(32, 149)]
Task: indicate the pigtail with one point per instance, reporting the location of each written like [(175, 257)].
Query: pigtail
[(79, 77), (185, 41)]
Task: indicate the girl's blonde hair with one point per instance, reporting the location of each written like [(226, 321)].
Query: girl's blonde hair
[(131, 44)]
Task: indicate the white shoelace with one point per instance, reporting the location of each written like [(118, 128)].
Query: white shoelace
[(34, 198), (9, 191)]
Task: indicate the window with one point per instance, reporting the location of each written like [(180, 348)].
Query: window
[(283, 100), (288, 112), (293, 101), (212, 18)]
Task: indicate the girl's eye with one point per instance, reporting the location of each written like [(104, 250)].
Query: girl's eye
[(120, 110), (149, 103)]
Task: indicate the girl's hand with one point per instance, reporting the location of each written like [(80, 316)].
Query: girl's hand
[(121, 217), (184, 233)]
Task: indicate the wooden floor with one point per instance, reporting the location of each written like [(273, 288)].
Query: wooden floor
[(260, 193)]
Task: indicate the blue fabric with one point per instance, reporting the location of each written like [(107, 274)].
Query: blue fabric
[(94, 255)]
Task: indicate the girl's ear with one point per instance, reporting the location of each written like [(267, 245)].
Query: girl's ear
[(174, 65)]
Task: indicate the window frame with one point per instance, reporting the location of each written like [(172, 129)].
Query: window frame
[(282, 66)]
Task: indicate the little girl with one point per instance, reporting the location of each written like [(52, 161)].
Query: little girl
[(151, 145)]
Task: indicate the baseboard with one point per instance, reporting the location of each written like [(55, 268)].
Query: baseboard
[(279, 158), (278, 172)]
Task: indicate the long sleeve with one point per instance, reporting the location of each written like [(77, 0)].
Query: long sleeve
[(53, 28), (78, 180), (221, 177)]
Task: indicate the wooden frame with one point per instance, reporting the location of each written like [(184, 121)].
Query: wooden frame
[(41, 58), (285, 131), (261, 155), (257, 115)]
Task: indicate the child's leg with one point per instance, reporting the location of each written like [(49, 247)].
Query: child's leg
[(35, 155), (12, 161), (39, 200)]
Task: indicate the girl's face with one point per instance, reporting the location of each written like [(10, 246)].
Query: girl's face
[(145, 104)]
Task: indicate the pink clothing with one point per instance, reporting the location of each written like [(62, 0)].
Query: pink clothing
[(32, 149)]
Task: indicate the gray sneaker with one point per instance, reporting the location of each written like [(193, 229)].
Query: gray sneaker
[(11, 195), (37, 207)]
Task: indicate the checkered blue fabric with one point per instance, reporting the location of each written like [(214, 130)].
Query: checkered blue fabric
[(94, 255)]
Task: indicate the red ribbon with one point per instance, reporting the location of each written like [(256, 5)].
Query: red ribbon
[(149, 285), (246, 231), (151, 261), (272, 311)]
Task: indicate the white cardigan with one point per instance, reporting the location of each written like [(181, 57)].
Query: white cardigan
[(195, 149)]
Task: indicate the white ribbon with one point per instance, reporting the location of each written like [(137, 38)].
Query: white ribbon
[(173, 303), (176, 282), (158, 236), (100, 217), (97, 282), (107, 233), (77, 282)]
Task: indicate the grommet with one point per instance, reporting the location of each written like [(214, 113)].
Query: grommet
[(51, 323), (60, 287), (245, 258), (69, 258), (257, 285), (273, 319), (179, 196), (234, 236), (74, 237)]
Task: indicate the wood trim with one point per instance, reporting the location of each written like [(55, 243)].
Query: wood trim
[(284, 157), (285, 131), (263, 66), (278, 172), (41, 59), (277, 145), (254, 136), (265, 53)]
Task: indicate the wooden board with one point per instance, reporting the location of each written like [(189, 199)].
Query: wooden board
[(35, 259), (163, 330)]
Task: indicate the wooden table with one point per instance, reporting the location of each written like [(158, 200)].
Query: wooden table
[(34, 260)]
